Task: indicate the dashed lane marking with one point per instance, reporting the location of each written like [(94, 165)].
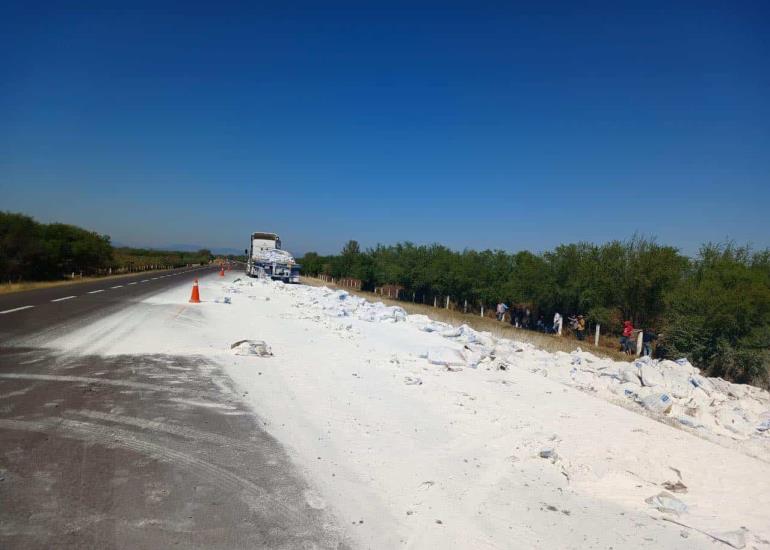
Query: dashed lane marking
[(96, 291), (132, 283), (15, 309), (65, 298), (117, 286), (145, 281)]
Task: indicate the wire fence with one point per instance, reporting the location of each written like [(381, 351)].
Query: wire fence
[(520, 315)]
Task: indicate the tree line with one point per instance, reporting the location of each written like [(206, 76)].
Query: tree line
[(33, 251), (714, 308)]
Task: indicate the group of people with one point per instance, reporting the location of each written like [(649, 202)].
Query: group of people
[(521, 317), (628, 342), (577, 324)]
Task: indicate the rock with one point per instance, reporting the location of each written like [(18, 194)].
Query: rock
[(658, 402), (583, 379), (677, 382), (650, 376), (628, 373), (626, 389), (677, 487), (548, 452), (699, 398)]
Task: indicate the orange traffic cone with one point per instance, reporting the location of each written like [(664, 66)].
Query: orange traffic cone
[(222, 271), (196, 297)]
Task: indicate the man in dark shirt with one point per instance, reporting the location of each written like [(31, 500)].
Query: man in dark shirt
[(648, 337)]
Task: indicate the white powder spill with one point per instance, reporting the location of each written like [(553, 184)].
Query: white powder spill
[(419, 434)]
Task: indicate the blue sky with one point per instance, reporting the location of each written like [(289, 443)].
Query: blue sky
[(477, 124)]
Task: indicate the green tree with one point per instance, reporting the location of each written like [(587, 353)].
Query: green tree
[(719, 316)]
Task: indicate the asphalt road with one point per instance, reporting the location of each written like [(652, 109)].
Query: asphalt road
[(32, 311), (135, 451)]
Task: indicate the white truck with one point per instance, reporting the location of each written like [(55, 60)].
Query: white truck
[(267, 259)]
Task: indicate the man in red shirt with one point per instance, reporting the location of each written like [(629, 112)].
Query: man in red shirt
[(626, 339)]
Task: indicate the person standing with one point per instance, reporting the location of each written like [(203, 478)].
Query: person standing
[(557, 322), (501, 309), (647, 339), (580, 328), (572, 322), (627, 337)]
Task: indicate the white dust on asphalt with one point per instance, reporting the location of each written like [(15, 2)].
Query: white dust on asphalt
[(423, 435)]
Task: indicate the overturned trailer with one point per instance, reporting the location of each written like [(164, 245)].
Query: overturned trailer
[(268, 259)]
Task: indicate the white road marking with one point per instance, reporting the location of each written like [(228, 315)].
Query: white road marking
[(132, 283), (15, 309), (65, 298), (96, 291), (117, 286), (145, 281), (154, 278)]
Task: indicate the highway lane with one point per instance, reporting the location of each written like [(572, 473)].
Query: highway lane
[(136, 451), (33, 311)]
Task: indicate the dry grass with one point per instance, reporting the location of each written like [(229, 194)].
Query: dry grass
[(548, 342), (8, 288)]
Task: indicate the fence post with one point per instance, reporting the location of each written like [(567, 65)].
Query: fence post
[(639, 342), (434, 301), (596, 338), (447, 302), (465, 307), (482, 310), (413, 296)]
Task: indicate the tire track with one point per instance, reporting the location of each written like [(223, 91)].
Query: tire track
[(127, 384), (89, 380), (171, 429), (109, 436)]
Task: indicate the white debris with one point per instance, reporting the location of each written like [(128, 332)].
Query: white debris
[(256, 348), (658, 402), (449, 357), (702, 403), (384, 439), (380, 312), (667, 503), (274, 255), (630, 374), (650, 375)]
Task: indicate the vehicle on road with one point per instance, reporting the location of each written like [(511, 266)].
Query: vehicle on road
[(268, 259)]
